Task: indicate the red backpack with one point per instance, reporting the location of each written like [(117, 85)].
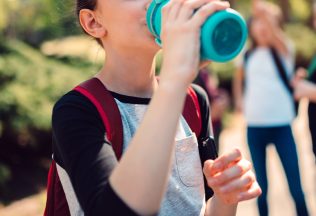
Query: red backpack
[(96, 92)]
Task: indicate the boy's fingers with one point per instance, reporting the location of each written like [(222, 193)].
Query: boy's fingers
[(194, 4), (190, 6), (174, 8), (231, 173), (225, 161), (242, 184), (206, 10), (253, 192)]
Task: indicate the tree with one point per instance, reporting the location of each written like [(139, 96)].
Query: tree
[(35, 21), (285, 7), (311, 6)]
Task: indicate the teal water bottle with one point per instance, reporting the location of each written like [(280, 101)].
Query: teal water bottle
[(223, 34)]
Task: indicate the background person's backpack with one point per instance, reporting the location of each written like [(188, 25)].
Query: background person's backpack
[(95, 91)]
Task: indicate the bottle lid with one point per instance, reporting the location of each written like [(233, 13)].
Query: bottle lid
[(223, 36)]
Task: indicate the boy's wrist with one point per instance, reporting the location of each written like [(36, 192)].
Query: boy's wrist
[(173, 82), (225, 209), (216, 206), (173, 87)]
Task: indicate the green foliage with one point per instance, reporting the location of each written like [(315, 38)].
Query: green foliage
[(304, 39), (301, 11), (158, 62), (224, 71), (30, 84), (42, 19), (243, 7), (6, 8)]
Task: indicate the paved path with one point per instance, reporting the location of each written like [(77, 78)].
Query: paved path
[(280, 201)]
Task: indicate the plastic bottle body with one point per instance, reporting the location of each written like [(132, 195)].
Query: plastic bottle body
[(223, 34)]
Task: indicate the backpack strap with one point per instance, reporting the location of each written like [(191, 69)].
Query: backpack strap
[(281, 70), (207, 147), (109, 112), (284, 78), (56, 203), (192, 112), (280, 67)]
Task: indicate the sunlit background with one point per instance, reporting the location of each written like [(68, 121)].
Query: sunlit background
[(43, 54)]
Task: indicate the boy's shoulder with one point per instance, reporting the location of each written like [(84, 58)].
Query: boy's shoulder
[(71, 98), (73, 102)]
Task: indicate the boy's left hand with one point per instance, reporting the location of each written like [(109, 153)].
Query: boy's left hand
[(231, 178)]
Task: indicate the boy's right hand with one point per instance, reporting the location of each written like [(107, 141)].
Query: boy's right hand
[(231, 178), (181, 24)]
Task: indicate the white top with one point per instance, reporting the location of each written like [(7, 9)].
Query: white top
[(267, 101)]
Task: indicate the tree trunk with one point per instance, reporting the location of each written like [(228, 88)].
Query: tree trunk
[(311, 7), (285, 7)]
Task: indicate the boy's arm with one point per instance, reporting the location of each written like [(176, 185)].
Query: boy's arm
[(146, 167), (141, 177)]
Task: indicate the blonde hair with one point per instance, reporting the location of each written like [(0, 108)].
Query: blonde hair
[(275, 11)]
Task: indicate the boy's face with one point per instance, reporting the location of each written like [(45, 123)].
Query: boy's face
[(125, 22)]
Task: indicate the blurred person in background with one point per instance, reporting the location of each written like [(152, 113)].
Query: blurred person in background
[(218, 97), (267, 104)]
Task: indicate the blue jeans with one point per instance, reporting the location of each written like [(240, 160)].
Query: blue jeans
[(282, 138)]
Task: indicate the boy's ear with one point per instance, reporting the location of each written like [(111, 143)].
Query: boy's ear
[(90, 24)]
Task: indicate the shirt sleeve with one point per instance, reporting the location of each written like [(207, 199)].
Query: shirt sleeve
[(81, 148)]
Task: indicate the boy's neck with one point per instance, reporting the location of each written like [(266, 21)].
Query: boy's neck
[(129, 75)]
